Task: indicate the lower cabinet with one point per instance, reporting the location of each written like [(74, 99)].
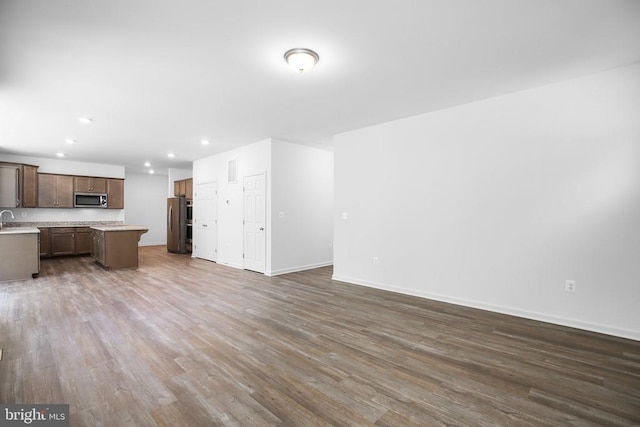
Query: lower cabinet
[(98, 244), (62, 241), (83, 241), (19, 260), (45, 247)]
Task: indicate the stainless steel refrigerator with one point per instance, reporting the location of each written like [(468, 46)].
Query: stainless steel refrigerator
[(177, 225)]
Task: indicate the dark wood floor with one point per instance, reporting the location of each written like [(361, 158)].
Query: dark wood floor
[(182, 341)]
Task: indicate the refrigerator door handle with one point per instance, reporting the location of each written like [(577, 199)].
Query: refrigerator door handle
[(170, 218)]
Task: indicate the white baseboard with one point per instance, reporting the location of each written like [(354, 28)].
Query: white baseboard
[(532, 315), (218, 261), (299, 268), (230, 264)]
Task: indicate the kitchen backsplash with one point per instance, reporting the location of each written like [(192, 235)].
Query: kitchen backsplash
[(65, 215)]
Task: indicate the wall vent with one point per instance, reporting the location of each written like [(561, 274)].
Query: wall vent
[(232, 174)]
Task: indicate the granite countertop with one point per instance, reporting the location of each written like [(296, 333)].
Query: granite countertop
[(50, 224), (120, 227), (19, 230)]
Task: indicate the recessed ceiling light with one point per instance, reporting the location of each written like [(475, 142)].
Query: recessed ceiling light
[(70, 141), (205, 142), (60, 154), (301, 59), (151, 171), (85, 120), (171, 155), (147, 164)]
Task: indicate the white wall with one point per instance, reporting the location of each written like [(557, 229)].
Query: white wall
[(299, 230), (251, 159), (495, 204), (145, 200), (66, 167), (301, 207)]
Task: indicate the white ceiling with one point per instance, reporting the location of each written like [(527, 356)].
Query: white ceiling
[(160, 75)]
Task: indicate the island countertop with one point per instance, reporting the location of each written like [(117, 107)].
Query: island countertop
[(119, 228)]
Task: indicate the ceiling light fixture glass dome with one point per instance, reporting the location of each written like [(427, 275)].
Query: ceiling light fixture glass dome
[(301, 59)]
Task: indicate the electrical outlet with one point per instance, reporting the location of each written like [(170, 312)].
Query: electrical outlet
[(23, 214), (570, 285), (376, 260)]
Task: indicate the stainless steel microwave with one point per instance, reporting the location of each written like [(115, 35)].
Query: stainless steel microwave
[(89, 200)]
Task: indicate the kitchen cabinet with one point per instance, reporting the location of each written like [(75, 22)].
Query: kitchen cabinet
[(69, 241), (115, 193), (45, 248), (98, 247), (183, 188), (83, 241), (62, 241), (188, 192), (116, 247), (19, 249), (18, 185), (87, 184), (29, 186), (9, 186), (55, 191), (22, 186)]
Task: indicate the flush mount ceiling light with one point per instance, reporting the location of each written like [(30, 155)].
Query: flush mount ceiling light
[(147, 164), (70, 141), (85, 120), (60, 154), (204, 142), (171, 155), (301, 59)]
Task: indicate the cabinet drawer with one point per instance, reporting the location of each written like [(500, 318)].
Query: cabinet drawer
[(59, 230)]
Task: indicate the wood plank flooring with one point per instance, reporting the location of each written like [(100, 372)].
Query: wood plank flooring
[(187, 342)]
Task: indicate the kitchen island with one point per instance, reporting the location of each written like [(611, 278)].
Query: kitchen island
[(19, 253), (116, 246)]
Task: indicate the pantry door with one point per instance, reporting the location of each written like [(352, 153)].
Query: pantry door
[(254, 256), (205, 221)]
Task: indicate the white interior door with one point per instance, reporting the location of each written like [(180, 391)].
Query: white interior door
[(254, 222), (205, 221)]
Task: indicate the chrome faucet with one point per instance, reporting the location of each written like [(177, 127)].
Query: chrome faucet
[(2, 212)]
